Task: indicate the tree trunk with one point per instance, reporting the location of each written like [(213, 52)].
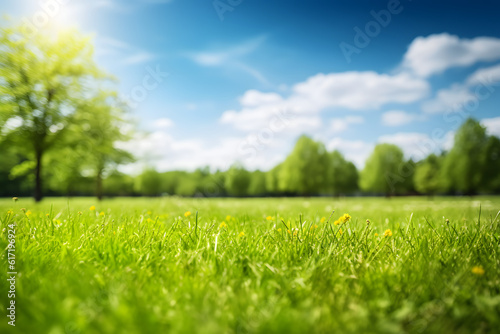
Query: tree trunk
[(38, 177), (99, 185)]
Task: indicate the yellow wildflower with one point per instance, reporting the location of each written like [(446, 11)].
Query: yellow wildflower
[(478, 270), (47, 215), (149, 212), (92, 208), (222, 225), (289, 232), (314, 226), (343, 219), (322, 220), (187, 213), (149, 220), (387, 233), (376, 234), (295, 232), (242, 234), (269, 218), (10, 212), (101, 213), (28, 213), (279, 230), (340, 231), (228, 217)]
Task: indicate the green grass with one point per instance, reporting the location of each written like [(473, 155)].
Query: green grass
[(143, 267)]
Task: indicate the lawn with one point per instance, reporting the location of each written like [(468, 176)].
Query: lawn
[(172, 265)]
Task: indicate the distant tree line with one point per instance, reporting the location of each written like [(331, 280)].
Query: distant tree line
[(472, 166)]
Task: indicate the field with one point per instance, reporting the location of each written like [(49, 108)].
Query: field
[(254, 265)]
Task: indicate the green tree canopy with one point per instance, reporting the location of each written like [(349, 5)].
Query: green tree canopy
[(237, 180), (427, 177), (43, 81), (465, 163), (304, 170), (342, 174), (382, 172)]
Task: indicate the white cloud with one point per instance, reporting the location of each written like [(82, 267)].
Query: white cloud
[(492, 126), (231, 58), (338, 125), (398, 118), (449, 99), (415, 145), (254, 98), (356, 151), (436, 53), (485, 76), (138, 58), (163, 123), (352, 90), (358, 90)]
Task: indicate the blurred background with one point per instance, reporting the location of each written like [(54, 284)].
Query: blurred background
[(249, 98)]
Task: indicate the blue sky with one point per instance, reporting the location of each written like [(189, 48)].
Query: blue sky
[(246, 78)]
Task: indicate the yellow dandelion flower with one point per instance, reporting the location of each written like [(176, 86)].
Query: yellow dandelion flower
[(46, 215), (28, 213), (346, 217), (222, 225), (92, 208), (478, 270), (289, 232), (340, 231), (228, 217), (314, 226), (242, 234), (149, 220), (269, 218), (295, 232), (322, 220), (387, 233), (376, 234), (187, 213), (337, 222), (101, 213), (279, 230), (10, 212)]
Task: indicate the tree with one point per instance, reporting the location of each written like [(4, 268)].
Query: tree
[(383, 170), (464, 165), (257, 185), (95, 132), (491, 163), (148, 183), (237, 180), (427, 177), (342, 174), (272, 180), (304, 170), (43, 79)]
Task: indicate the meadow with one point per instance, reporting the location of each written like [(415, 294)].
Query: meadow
[(272, 265)]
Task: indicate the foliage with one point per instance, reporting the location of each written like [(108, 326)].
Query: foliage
[(144, 266), (382, 172)]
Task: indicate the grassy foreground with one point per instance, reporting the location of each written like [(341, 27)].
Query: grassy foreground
[(147, 266)]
